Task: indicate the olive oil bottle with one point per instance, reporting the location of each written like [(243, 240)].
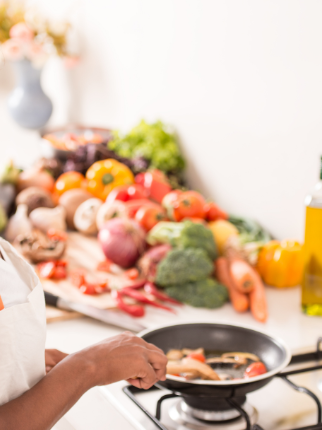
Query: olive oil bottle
[(312, 276)]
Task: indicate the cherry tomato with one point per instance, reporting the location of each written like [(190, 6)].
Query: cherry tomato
[(198, 357), (189, 204), (127, 192), (132, 273), (149, 216), (68, 181), (213, 212), (255, 369)]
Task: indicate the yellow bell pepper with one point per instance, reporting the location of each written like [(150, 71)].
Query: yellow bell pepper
[(105, 175), (280, 264)]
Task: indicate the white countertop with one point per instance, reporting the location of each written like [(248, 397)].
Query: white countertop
[(285, 321)]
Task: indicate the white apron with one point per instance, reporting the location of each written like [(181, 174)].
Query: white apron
[(22, 335)]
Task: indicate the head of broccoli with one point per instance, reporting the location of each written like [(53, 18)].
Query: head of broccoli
[(183, 265), (205, 293), (184, 235)]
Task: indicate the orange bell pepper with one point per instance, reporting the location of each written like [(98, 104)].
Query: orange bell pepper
[(103, 176), (280, 264)]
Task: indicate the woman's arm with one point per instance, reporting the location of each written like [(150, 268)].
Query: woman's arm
[(121, 357)]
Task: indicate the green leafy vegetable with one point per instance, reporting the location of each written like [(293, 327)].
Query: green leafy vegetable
[(184, 235), (153, 142), (183, 265), (206, 293), (250, 230)]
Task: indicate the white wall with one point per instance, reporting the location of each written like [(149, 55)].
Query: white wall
[(241, 80)]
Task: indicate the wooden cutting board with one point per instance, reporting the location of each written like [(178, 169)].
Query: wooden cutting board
[(84, 252), (54, 314)]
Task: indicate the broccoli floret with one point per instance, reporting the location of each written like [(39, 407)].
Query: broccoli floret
[(184, 235), (183, 265), (206, 293)]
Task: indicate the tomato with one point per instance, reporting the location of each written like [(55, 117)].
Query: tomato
[(132, 206), (155, 183), (127, 192), (46, 269), (255, 369), (92, 289), (149, 216), (198, 357), (57, 235), (68, 181), (77, 278), (169, 200), (132, 273), (213, 212), (104, 266), (189, 204), (60, 272)]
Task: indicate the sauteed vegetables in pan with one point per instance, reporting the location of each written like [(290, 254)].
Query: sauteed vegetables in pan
[(200, 364)]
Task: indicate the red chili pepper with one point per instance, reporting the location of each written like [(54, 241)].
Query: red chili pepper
[(143, 299), (136, 285), (134, 310), (150, 288), (132, 273)]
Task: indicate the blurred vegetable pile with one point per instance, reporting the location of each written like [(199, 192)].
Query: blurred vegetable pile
[(156, 236)]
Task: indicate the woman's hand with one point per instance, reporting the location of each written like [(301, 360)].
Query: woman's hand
[(53, 357), (126, 357)]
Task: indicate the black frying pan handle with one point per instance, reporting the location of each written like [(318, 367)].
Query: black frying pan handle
[(50, 299)]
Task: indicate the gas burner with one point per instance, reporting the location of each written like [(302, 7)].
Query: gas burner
[(196, 419)]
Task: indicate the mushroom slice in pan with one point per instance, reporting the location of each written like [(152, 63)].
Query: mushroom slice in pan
[(241, 355), (174, 354), (226, 360), (188, 365)]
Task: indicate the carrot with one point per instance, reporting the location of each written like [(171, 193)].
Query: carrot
[(1, 304), (239, 300), (258, 303), (242, 275)]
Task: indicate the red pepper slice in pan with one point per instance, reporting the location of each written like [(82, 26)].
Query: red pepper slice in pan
[(143, 299), (150, 288), (134, 310)]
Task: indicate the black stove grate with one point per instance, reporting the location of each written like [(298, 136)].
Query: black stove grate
[(298, 359)]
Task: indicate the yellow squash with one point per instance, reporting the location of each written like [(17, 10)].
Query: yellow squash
[(280, 264)]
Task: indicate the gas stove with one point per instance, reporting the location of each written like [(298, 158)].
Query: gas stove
[(292, 400)]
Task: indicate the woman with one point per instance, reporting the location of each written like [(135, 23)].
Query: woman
[(30, 399)]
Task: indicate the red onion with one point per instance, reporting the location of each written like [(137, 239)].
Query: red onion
[(122, 241)]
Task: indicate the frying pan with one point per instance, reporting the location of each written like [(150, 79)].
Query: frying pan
[(225, 338)]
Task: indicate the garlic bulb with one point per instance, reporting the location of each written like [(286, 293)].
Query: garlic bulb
[(46, 218), (19, 223), (85, 216)]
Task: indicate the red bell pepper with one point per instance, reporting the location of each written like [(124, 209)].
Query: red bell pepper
[(150, 288), (134, 310)]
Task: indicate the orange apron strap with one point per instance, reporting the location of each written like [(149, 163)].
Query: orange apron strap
[(1, 304)]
